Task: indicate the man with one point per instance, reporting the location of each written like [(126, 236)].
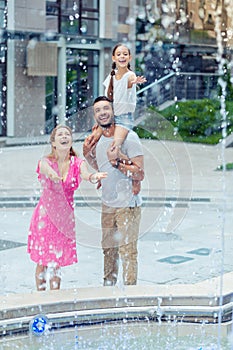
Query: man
[(121, 208)]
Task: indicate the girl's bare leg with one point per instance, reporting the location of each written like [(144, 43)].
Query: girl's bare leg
[(120, 134), (40, 277), (55, 278), (136, 186)]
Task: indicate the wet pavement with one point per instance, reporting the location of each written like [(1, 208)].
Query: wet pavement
[(186, 228)]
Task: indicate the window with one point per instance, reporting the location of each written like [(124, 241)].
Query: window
[(80, 18), (82, 87), (123, 14), (75, 20), (71, 17), (52, 16), (82, 71), (2, 14)]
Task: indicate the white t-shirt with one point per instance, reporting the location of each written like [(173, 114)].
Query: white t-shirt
[(124, 99), (117, 187)]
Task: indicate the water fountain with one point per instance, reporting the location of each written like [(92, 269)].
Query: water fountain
[(194, 315)]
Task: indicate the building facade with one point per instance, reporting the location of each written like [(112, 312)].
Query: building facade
[(54, 57), (55, 54)]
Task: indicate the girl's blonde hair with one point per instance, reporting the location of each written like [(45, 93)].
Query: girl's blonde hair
[(52, 155), (112, 73)]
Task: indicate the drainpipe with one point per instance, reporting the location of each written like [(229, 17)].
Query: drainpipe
[(10, 109), (102, 35), (61, 81)]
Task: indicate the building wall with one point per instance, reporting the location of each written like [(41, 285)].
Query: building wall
[(111, 12), (30, 15), (28, 93), (29, 97), (229, 11), (202, 14), (120, 27)]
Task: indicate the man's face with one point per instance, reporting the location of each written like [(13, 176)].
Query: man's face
[(103, 113)]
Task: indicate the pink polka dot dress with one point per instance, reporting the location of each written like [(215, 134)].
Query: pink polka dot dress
[(52, 238)]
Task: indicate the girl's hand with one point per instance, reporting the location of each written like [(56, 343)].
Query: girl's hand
[(101, 175), (139, 80), (52, 175), (48, 171)]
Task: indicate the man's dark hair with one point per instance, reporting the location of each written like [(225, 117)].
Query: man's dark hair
[(102, 98)]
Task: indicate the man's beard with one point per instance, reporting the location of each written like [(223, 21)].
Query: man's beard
[(106, 126)]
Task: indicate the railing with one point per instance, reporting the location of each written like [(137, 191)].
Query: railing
[(168, 89), (179, 86)]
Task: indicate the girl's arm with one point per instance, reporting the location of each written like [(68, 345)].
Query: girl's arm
[(92, 177), (48, 171)]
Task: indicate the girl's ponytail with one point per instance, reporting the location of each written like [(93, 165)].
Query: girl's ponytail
[(110, 86)]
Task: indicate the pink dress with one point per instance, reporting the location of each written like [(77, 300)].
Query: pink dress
[(52, 238)]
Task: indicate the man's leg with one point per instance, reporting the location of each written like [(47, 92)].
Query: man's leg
[(129, 255), (111, 260), (128, 222), (109, 245)]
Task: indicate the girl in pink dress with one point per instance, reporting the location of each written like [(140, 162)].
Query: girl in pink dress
[(52, 241)]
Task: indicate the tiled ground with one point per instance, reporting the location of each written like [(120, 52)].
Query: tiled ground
[(190, 254), (186, 230)]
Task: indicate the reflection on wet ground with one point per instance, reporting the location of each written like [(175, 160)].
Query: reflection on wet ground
[(190, 254), (185, 212)]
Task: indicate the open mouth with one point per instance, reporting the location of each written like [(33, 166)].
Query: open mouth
[(104, 118), (104, 121), (65, 142)]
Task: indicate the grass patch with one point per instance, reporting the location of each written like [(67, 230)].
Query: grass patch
[(228, 166), (143, 133), (197, 121), (201, 36)]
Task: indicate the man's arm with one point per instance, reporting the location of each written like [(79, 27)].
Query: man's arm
[(89, 151), (135, 170)]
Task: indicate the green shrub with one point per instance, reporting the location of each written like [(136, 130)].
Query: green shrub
[(228, 166), (143, 133), (190, 121)]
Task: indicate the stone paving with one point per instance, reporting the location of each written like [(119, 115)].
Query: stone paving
[(186, 229)]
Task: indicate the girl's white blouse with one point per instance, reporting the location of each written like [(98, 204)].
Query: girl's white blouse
[(124, 99)]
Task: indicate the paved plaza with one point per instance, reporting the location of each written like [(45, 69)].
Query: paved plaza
[(186, 228)]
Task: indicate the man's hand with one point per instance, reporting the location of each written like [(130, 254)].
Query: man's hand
[(89, 151), (89, 146)]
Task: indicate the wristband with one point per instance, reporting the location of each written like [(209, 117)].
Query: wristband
[(116, 165), (90, 179)]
